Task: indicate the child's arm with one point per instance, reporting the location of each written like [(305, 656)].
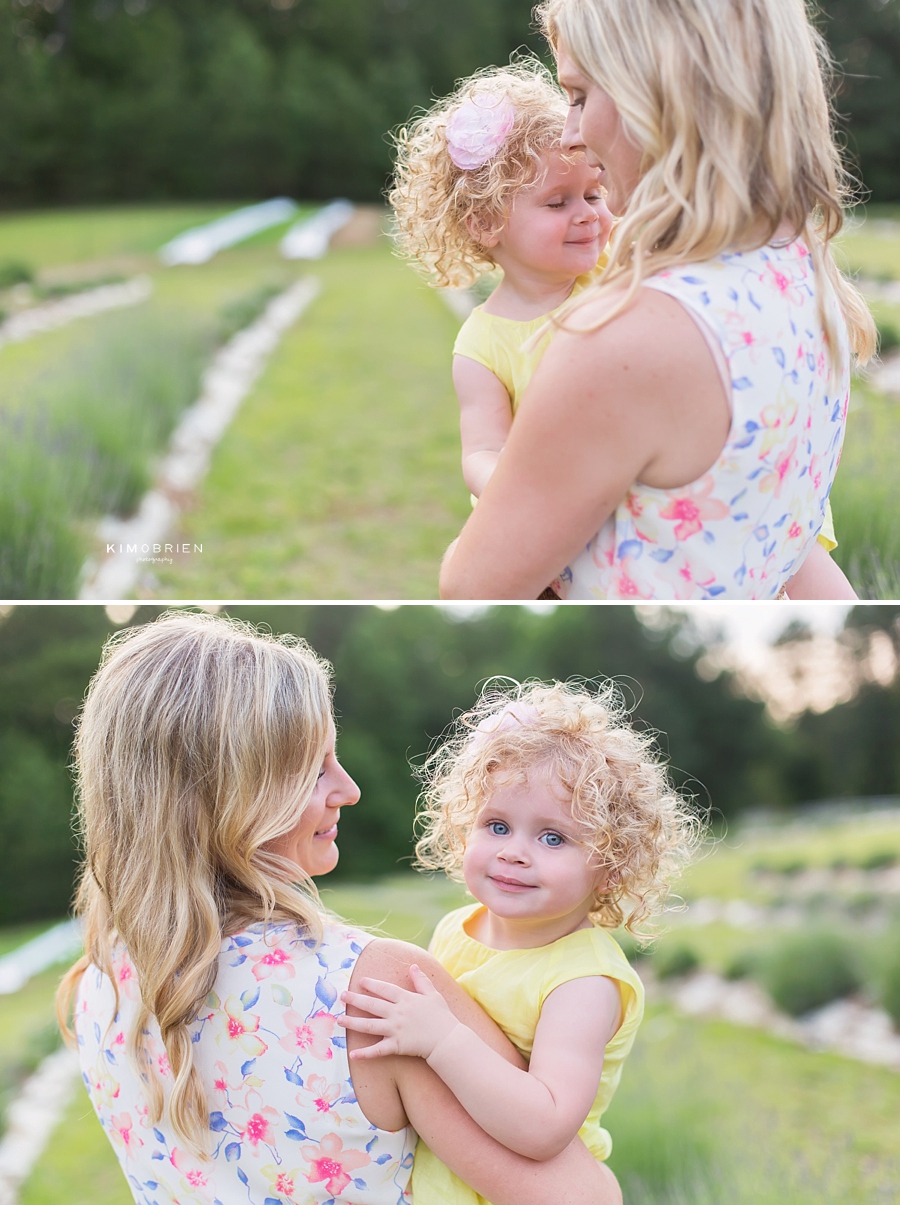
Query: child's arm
[(819, 577), (485, 417), (535, 1112)]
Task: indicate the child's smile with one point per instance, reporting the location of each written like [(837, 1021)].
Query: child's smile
[(525, 861), (555, 229)]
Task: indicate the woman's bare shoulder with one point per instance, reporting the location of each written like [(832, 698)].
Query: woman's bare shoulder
[(644, 382), (390, 960), (653, 330)]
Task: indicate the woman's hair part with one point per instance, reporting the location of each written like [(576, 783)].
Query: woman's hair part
[(637, 827), (440, 207), (727, 101), (198, 745)]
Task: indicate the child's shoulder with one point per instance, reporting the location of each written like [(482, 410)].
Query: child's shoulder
[(592, 951), (474, 336)]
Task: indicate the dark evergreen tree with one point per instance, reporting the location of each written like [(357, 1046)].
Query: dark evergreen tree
[(153, 99), (400, 676)]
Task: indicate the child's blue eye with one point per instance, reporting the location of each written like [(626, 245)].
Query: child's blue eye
[(498, 828), (554, 840)]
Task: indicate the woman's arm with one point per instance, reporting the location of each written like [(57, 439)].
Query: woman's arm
[(537, 1111), (638, 399), (820, 577), (397, 1089), (485, 417)]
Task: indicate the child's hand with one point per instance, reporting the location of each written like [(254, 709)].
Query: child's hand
[(409, 1022)]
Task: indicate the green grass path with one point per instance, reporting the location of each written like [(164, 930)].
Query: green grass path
[(340, 475)]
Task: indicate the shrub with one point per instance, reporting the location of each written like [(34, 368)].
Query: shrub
[(880, 859), (40, 554), (890, 987), (805, 971), (742, 965), (797, 866), (863, 903), (86, 442), (888, 338), (676, 960), (12, 272)]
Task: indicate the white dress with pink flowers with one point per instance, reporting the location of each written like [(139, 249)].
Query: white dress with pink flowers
[(744, 527), (285, 1127)]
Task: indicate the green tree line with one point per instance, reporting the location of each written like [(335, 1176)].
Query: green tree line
[(116, 100), (400, 676)]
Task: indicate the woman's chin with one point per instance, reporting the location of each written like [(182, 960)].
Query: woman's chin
[(326, 860), (616, 205)]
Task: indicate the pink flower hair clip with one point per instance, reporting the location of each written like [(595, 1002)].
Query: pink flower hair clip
[(513, 715), (478, 129)]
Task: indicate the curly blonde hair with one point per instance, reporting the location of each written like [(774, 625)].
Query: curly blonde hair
[(433, 199), (727, 100), (635, 824)]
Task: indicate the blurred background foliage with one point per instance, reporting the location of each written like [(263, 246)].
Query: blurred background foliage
[(108, 100), (400, 674)]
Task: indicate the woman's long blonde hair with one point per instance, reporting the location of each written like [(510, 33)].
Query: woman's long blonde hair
[(727, 100), (198, 745)]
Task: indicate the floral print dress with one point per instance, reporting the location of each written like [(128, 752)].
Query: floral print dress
[(744, 528), (285, 1127)]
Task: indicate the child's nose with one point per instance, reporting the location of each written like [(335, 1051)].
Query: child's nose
[(514, 851)]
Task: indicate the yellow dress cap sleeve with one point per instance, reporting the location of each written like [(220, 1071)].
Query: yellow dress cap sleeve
[(827, 538), (473, 340)]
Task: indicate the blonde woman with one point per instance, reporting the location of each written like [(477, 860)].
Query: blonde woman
[(681, 435), (206, 1006)]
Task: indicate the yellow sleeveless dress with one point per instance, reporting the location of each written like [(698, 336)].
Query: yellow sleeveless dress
[(511, 986), (497, 342)]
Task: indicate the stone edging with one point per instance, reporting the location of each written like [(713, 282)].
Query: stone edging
[(846, 1027), (38, 319), (32, 1117)]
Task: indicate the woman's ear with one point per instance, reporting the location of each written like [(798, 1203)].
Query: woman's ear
[(481, 232)]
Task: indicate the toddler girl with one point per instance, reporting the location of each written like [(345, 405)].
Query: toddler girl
[(562, 823), (481, 183)]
